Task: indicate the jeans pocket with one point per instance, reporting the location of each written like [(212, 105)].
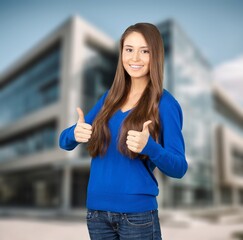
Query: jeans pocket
[(139, 219), (91, 214)]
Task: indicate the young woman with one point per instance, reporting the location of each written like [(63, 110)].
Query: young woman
[(133, 128)]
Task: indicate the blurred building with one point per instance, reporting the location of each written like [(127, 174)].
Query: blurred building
[(74, 66), (228, 155), (188, 78), (38, 99)]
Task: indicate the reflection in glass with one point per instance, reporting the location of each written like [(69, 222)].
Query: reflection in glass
[(33, 141), (33, 88)]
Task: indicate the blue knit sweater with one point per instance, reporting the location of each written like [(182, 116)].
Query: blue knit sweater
[(120, 184)]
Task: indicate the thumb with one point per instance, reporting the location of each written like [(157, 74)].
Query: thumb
[(145, 126), (81, 115)]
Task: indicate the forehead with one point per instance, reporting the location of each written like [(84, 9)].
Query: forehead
[(135, 39)]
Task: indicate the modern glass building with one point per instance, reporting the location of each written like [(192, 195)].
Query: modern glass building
[(28, 129), (188, 78), (73, 66)]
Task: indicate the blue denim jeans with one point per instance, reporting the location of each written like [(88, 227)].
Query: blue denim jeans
[(123, 226)]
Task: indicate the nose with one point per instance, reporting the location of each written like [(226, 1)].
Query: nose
[(135, 56)]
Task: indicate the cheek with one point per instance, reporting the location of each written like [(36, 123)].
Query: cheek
[(124, 58), (125, 63), (148, 65), (147, 62), (145, 59)]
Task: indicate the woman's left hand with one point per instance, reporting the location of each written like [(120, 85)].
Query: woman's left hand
[(136, 140)]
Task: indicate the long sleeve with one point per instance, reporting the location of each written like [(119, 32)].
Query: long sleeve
[(67, 140), (169, 155)]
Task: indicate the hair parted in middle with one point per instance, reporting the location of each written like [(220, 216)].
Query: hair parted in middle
[(147, 106)]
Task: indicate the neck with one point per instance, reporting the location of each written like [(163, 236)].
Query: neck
[(138, 85)]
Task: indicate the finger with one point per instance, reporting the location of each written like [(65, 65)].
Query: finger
[(80, 115), (133, 133), (83, 130), (84, 125), (83, 140), (132, 138), (81, 135), (133, 149), (132, 144), (145, 125)]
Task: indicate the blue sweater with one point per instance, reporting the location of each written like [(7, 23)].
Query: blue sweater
[(120, 184)]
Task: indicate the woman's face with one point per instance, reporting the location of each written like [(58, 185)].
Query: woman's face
[(135, 56)]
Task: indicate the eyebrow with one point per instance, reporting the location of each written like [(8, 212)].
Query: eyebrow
[(132, 46)]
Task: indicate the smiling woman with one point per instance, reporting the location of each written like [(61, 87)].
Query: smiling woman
[(135, 127), (135, 58)]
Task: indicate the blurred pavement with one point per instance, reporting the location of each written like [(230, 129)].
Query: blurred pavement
[(178, 227)]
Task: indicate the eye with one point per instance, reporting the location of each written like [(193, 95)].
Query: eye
[(145, 51), (128, 49)]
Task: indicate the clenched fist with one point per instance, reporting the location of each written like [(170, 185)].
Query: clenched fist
[(82, 131)]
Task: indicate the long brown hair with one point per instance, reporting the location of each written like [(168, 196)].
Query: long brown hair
[(147, 106)]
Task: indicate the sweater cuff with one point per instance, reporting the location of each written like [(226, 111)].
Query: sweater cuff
[(152, 148), (71, 134)]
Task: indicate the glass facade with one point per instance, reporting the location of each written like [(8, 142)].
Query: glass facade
[(34, 87), (32, 141), (41, 188), (38, 188), (187, 77), (237, 162), (78, 189)]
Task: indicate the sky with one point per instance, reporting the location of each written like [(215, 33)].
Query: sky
[(230, 76), (214, 27)]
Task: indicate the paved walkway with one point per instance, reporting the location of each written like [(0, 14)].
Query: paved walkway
[(188, 229)]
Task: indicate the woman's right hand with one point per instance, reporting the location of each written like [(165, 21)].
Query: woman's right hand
[(82, 131)]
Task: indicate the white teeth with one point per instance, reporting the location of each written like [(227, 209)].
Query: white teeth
[(136, 66)]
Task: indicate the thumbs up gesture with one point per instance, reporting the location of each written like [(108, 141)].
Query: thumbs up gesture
[(82, 131), (136, 140)]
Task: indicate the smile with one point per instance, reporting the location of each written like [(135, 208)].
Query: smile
[(136, 66)]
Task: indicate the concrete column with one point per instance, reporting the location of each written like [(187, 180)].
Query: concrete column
[(217, 196), (188, 197), (235, 197), (166, 193), (72, 62), (66, 189)]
